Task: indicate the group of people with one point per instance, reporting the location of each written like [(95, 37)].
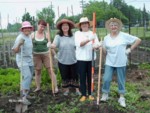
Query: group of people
[(74, 56)]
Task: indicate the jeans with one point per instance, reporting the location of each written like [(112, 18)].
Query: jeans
[(107, 78), (27, 73)]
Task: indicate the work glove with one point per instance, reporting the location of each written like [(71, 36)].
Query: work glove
[(49, 44), (55, 56), (128, 51), (21, 42), (91, 38), (97, 44)]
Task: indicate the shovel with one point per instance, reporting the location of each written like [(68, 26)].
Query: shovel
[(20, 106)]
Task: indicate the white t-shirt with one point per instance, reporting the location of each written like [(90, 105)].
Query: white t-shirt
[(84, 53), (116, 48)]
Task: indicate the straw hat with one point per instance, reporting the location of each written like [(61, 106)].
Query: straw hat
[(72, 25), (26, 24), (113, 20), (83, 20)]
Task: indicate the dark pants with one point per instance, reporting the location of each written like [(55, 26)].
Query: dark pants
[(69, 75), (84, 70)]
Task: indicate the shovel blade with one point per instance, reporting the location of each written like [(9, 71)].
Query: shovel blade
[(21, 108)]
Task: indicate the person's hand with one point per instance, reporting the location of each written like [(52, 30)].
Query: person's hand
[(92, 37), (128, 51), (21, 42), (49, 44), (98, 44)]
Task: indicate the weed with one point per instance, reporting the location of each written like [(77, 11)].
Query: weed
[(144, 66)]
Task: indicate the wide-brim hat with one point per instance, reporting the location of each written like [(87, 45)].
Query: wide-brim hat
[(26, 24), (83, 20), (58, 25), (113, 20)]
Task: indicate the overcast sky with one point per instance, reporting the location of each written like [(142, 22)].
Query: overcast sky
[(16, 8)]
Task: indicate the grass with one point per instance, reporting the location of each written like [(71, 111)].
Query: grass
[(9, 79), (137, 31)]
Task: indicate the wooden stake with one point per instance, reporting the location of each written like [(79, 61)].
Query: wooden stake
[(99, 75), (50, 57)]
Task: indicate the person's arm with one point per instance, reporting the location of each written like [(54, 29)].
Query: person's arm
[(17, 48), (53, 45), (93, 37), (84, 42), (135, 44), (32, 35)]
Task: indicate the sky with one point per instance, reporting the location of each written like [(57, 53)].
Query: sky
[(12, 10)]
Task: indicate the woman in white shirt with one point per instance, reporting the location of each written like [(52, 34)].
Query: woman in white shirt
[(84, 47), (115, 47)]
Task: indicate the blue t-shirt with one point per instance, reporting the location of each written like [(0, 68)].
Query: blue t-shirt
[(27, 58)]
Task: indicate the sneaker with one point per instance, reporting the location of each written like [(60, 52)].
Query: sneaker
[(83, 98), (78, 93), (37, 90), (104, 97), (56, 90), (122, 101), (66, 93), (30, 97), (91, 97), (25, 101)]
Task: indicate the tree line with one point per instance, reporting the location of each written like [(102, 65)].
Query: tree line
[(117, 8)]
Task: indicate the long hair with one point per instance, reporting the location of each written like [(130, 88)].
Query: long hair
[(60, 32)]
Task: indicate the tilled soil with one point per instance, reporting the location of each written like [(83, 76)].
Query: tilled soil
[(43, 99)]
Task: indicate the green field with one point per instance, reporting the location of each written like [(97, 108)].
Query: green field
[(101, 32)]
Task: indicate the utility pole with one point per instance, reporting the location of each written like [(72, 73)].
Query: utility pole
[(58, 12), (51, 6), (25, 14), (67, 11), (82, 2), (72, 10)]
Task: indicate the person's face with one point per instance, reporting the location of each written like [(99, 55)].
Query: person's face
[(65, 27), (114, 26), (27, 30), (41, 27), (85, 26)]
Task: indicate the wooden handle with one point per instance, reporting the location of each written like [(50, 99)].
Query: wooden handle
[(50, 57), (99, 75), (94, 22), (48, 32), (94, 30)]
